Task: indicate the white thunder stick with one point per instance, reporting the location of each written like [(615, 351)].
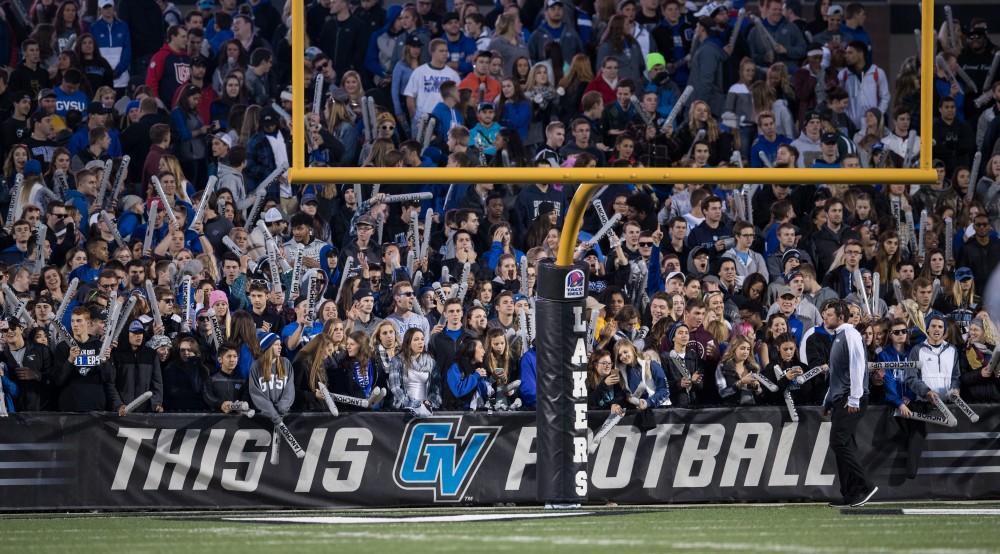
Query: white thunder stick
[(142, 399), (606, 428), (163, 198), (330, 404), (676, 110)]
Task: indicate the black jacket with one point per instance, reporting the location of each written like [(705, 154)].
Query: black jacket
[(679, 396), (132, 373), (444, 350), (220, 388), (344, 42), (36, 388), (183, 383)]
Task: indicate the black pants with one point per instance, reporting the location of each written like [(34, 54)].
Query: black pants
[(853, 484)]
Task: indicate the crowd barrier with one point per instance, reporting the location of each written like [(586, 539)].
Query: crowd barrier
[(204, 461)]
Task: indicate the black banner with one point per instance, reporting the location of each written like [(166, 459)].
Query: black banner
[(50, 461)]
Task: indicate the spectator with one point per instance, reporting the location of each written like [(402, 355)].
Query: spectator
[(170, 67), (866, 84), (421, 90)]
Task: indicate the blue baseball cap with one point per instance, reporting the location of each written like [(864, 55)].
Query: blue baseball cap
[(963, 274)]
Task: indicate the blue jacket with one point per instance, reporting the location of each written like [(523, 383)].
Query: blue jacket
[(80, 202), (463, 388), (896, 390), (114, 35), (517, 116), (492, 256), (459, 51), (128, 222), (661, 389), (769, 148), (81, 140), (9, 392), (528, 390), (443, 119)]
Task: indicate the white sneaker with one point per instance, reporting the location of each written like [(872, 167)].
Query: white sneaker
[(866, 498)]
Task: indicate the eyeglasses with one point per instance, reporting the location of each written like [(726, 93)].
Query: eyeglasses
[(604, 363), (898, 332), (646, 244), (204, 319), (407, 293), (167, 300), (58, 216)]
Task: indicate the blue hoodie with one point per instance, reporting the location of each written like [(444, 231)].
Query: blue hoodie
[(528, 390), (896, 390), (372, 63)]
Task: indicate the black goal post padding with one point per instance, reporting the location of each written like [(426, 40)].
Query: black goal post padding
[(561, 370)]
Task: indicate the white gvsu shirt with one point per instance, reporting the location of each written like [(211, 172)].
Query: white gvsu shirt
[(424, 84)]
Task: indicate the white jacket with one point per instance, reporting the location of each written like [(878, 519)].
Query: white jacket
[(870, 90)]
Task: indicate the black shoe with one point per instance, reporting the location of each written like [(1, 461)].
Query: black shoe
[(864, 500)]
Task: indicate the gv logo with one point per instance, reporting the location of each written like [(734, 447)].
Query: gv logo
[(434, 456)]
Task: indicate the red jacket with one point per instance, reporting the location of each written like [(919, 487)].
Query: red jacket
[(168, 69), (601, 86)]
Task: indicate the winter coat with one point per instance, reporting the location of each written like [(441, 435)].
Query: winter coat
[(132, 373)]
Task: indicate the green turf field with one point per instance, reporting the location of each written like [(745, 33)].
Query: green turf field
[(791, 529)]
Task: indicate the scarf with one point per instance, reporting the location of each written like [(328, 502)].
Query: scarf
[(363, 380)]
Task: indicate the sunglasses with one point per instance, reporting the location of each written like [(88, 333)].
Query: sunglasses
[(898, 332), (646, 244), (387, 127), (407, 294)]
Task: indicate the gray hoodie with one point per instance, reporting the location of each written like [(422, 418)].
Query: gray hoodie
[(273, 398), (232, 179)]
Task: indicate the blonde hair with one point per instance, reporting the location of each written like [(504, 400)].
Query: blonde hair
[(711, 127), (750, 364), (269, 359)]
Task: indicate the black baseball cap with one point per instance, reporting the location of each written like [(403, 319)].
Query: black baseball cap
[(829, 138)]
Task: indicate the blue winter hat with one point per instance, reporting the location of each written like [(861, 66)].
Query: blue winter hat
[(266, 340), (32, 167), (673, 331), (934, 314)]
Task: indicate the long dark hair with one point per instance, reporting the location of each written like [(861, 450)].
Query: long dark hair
[(406, 353), (466, 358), (244, 331), (182, 101), (361, 338)]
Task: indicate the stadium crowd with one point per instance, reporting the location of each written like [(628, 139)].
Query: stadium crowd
[(196, 271)]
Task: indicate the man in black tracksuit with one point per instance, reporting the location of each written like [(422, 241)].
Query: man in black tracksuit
[(135, 369)]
